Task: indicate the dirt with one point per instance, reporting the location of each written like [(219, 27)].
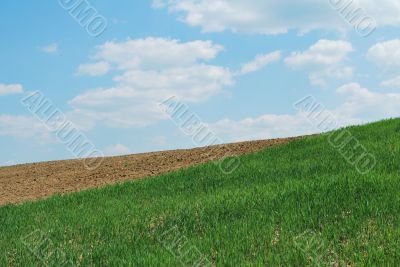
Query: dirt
[(30, 182)]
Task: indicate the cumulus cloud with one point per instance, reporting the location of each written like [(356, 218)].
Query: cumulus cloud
[(156, 53), (8, 89), (360, 105), (116, 150), (24, 127), (394, 82), (366, 105), (149, 71), (116, 107), (260, 61), (386, 54), (275, 17), (50, 49), (94, 69), (262, 127), (323, 60)]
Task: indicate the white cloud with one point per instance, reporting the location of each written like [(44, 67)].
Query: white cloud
[(323, 60), (149, 71), (323, 53), (274, 17), (50, 49), (156, 53), (360, 106), (366, 105), (394, 82), (260, 61), (386, 54), (262, 127), (193, 83), (118, 21), (8, 89), (8, 163), (158, 4), (159, 140), (116, 150), (94, 69), (117, 107), (24, 127)]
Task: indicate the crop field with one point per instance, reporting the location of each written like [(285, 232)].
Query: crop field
[(301, 203), (35, 181)]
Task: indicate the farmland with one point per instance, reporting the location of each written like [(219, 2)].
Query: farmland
[(300, 203)]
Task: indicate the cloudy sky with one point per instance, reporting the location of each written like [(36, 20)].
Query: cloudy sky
[(239, 65)]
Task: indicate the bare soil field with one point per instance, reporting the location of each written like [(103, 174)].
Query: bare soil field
[(30, 182)]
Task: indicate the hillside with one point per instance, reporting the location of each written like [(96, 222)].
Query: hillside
[(29, 182), (302, 203)]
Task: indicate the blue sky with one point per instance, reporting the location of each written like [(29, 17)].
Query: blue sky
[(239, 65)]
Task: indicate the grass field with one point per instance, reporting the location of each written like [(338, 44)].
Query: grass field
[(299, 204)]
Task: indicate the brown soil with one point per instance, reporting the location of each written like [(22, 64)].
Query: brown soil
[(29, 182)]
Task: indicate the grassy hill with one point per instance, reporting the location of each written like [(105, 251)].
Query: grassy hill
[(299, 204)]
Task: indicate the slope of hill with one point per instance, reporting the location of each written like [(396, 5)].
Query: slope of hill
[(26, 182), (299, 204)]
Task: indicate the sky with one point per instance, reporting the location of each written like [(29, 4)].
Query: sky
[(239, 66)]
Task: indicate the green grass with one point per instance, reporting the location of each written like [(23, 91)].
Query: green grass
[(300, 204)]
